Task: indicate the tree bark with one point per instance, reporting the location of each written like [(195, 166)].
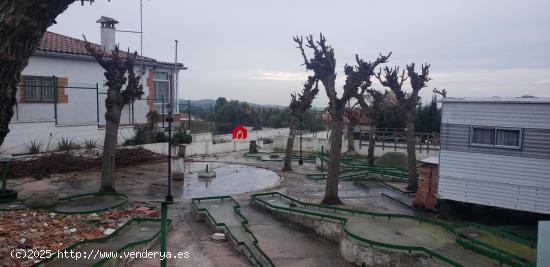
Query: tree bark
[(109, 152), (411, 154), (113, 103), (290, 142), (337, 130), (22, 25), (372, 140)]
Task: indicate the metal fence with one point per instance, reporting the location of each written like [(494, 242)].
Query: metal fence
[(45, 100), (51, 99), (395, 138)]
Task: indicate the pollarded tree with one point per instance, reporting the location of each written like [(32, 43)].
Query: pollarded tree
[(119, 71), (323, 64), (372, 108), (353, 115), (22, 25), (407, 102), (299, 104)]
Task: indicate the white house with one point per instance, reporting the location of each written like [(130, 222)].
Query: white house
[(496, 152), (61, 93)]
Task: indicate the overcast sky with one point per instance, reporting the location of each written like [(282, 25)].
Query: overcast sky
[(243, 49)]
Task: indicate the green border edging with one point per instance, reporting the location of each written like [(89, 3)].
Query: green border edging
[(52, 209), (244, 223), (482, 248), (106, 239), (354, 212), (125, 197)]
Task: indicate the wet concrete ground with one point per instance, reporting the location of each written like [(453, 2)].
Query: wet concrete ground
[(285, 243)]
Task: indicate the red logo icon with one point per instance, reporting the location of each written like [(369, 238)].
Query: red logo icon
[(239, 132)]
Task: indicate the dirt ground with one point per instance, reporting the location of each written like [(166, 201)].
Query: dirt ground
[(286, 244)]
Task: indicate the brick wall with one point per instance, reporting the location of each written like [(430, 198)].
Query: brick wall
[(426, 196)]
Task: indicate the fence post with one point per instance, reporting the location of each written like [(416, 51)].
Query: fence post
[(55, 98), (162, 110), (97, 101)]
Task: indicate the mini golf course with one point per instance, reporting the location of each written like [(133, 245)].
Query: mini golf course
[(459, 245), (77, 204), (224, 214), (96, 252)]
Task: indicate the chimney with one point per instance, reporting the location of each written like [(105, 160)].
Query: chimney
[(107, 33)]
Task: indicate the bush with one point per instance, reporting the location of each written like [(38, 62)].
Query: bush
[(181, 137), (34, 147), (393, 159), (90, 143), (142, 136), (161, 138), (66, 144)]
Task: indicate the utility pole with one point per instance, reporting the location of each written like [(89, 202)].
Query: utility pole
[(189, 115)]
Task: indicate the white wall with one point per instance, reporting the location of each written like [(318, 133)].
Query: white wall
[(82, 105), (201, 145), (310, 144), (21, 134)]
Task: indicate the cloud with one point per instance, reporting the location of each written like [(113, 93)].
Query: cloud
[(289, 76)]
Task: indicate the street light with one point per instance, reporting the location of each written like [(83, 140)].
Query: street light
[(170, 119)]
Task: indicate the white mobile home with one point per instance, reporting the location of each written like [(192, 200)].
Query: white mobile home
[(496, 152)]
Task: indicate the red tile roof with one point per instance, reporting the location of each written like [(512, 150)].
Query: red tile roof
[(58, 43)]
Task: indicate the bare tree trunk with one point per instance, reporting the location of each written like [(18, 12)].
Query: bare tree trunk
[(372, 141), (290, 142), (337, 131), (411, 154), (351, 148), (22, 25), (108, 160)]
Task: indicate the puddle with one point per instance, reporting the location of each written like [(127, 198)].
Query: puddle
[(230, 179)]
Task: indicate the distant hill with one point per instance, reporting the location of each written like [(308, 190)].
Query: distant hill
[(205, 104)]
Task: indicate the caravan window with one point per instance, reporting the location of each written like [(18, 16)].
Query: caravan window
[(507, 137), (495, 137), (483, 136)]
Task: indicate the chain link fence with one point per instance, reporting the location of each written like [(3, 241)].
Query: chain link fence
[(53, 99)]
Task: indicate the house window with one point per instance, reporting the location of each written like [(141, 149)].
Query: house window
[(38, 89), (496, 137), (161, 88)]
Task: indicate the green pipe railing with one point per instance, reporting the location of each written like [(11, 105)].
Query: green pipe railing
[(106, 239), (481, 248), (244, 224)]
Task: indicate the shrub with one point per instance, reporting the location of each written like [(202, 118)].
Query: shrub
[(393, 159), (90, 143), (160, 138), (66, 144), (142, 136), (34, 147), (181, 137)]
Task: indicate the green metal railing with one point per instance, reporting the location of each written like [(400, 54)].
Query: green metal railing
[(106, 239), (264, 260), (466, 242)]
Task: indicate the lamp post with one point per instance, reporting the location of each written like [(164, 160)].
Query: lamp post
[(301, 161)]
